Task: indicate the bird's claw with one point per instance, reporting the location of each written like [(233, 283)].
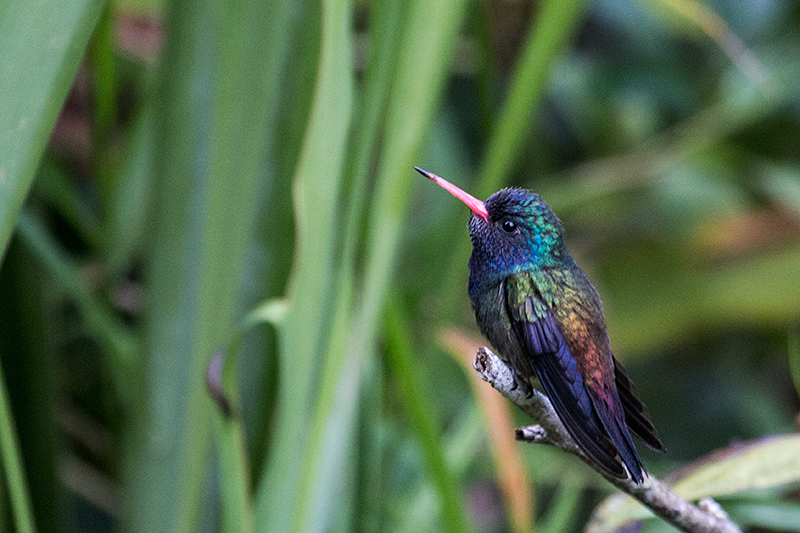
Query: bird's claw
[(528, 391), (521, 383)]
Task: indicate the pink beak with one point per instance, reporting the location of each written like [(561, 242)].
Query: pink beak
[(475, 205)]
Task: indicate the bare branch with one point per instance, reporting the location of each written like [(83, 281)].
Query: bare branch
[(708, 517)]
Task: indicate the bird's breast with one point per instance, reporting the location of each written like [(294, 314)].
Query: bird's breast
[(489, 303)]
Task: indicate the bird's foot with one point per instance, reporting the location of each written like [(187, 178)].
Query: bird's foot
[(522, 384), (528, 388)]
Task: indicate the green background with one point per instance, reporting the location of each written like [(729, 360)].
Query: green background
[(191, 177)]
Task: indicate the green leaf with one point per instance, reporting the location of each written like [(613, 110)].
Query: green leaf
[(56, 188), (782, 185), (414, 89), (117, 340), (794, 358), (13, 468), (563, 509), (52, 35), (685, 297), (316, 190), (429, 41), (766, 463), (777, 516), (126, 222), (770, 462), (419, 410), (30, 376), (216, 111), (554, 25), (235, 478)]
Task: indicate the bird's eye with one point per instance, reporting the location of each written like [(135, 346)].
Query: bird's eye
[(509, 226)]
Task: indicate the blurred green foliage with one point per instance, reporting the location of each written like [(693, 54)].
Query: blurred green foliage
[(216, 166)]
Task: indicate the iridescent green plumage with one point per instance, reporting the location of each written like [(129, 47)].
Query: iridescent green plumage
[(545, 319)]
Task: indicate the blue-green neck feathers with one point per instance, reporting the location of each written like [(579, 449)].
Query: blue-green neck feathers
[(522, 233)]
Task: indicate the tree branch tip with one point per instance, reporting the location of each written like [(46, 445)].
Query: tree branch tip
[(532, 434), (710, 506), (482, 363)]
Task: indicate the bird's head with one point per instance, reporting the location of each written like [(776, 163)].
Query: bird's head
[(513, 230)]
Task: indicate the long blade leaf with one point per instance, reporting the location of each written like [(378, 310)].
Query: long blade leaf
[(52, 35), (316, 191), (218, 99)]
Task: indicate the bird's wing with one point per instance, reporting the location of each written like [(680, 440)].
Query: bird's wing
[(538, 333), (636, 414)]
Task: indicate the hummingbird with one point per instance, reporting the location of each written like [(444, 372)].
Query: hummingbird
[(545, 319)]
